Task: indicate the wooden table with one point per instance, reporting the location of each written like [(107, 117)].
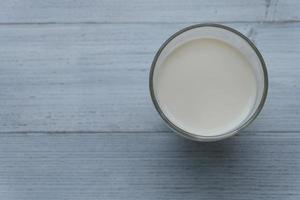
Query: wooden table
[(77, 122)]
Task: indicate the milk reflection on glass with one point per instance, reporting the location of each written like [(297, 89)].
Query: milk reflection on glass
[(208, 82)]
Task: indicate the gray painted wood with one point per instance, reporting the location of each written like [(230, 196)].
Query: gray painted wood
[(168, 11), (148, 166), (95, 77), (76, 120)]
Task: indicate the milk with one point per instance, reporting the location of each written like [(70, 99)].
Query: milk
[(205, 87)]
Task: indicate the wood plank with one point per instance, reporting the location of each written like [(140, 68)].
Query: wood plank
[(95, 78), (148, 166), (119, 11)]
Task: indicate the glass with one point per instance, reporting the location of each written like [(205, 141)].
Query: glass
[(230, 36)]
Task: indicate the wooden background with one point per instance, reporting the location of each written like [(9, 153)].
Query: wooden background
[(77, 122)]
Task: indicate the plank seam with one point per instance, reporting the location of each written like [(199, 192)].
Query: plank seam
[(125, 132), (144, 23)]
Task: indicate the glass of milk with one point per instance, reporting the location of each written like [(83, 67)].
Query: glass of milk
[(208, 82)]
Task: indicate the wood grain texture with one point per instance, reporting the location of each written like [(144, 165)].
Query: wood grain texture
[(84, 77), (77, 122), (167, 11), (148, 166)]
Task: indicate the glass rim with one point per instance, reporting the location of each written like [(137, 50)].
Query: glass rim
[(193, 136)]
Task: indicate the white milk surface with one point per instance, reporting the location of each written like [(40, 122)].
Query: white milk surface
[(205, 87)]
